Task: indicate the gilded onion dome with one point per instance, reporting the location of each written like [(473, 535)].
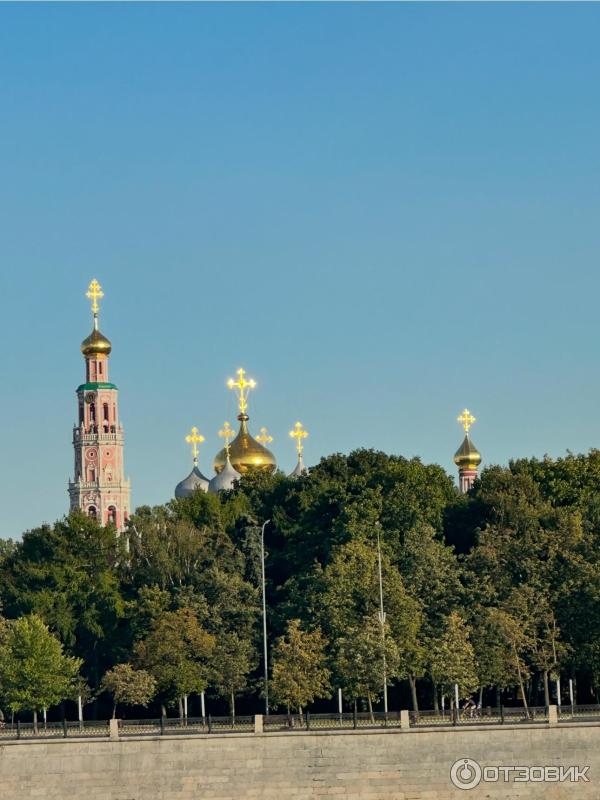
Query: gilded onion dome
[(96, 344), (467, 456), (245, 453)]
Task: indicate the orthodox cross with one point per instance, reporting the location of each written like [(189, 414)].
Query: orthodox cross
[(94, 293), (227, 433), (299, 434), (466, 419), (194, 438), (264, 437), (242, 387)]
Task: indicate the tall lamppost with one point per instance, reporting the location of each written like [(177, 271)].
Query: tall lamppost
[(382, 620), (264, 604)]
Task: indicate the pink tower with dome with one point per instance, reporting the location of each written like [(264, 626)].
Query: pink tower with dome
[(99, 487)]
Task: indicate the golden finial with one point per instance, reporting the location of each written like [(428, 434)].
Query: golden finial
[(264, 437), (243, 387), (466, 419), (95, 293), (227, 433), (299, 434), (194, 438)]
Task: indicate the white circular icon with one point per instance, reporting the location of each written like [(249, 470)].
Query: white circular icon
[(465, 773)]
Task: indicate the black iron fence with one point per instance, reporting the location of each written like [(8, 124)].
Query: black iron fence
[(503, 715), (189, 725), (331, 722), (289, 723), (54, 730), (579, 713)]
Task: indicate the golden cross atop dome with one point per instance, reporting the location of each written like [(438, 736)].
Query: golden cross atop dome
[(94, 293), (299, 434), (227, 433), (264, 437), (242, 387), (466, 419), (194, 438)]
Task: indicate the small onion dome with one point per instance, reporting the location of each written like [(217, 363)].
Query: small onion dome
[(96, 344), (223, 480), (245, 453), (467, 456), (187, 487), (299, 469)]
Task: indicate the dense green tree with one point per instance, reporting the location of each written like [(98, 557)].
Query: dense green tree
[(300, 673), (176, 652), (233, 659), (128, 685), (364, 655), (34, 671), (526, 580), (68, 574), (452, 658), (351, 595)]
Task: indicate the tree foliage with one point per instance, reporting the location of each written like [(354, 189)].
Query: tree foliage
[(499, 587), (300, 673), (34, 671), (128, 685)]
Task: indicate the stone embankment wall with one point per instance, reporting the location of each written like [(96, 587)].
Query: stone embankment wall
[(362, 765)]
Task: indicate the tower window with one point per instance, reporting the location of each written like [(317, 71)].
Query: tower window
[(92, 512), (105, 411), (100, 368), (112, 515), (93, 412)]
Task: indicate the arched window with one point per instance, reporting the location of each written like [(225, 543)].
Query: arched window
[(92, 512), (93, 412), (105, 411), (112, 515)]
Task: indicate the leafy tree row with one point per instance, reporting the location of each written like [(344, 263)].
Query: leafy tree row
[(498, 590)]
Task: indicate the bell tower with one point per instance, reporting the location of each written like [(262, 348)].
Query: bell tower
[(99, 487)]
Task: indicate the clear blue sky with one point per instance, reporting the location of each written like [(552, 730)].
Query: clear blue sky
[(384, 212)]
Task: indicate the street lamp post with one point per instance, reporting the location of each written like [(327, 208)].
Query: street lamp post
[(264, 604), (382, 621)]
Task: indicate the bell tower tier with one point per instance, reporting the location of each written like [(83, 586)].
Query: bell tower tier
[(99, 487)]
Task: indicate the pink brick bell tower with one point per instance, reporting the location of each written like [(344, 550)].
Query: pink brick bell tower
[(99, 486)]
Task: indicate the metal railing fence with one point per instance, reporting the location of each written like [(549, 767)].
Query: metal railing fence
[(54, 730), (289, 723), (503, 715)]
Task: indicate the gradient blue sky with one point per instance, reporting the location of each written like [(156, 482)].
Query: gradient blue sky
[(384, 212)]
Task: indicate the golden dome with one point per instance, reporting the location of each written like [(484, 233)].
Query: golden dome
[(245, 453), (96, 344), (467, 456)]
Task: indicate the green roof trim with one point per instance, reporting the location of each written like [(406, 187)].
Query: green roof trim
[(93, 386)]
